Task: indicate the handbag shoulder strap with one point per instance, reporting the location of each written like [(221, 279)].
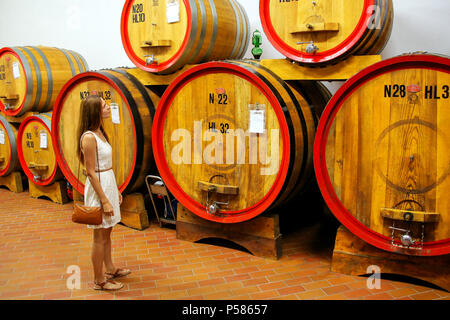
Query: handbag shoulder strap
[(79, 162)]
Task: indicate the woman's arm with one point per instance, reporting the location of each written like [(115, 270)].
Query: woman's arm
[(89, 146)]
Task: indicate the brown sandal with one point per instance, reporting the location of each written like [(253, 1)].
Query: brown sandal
[(119, 273), (108, 285)]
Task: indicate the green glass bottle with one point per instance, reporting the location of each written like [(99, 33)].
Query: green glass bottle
[(257, 41)]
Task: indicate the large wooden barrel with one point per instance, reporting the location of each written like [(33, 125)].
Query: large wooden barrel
[(321, 32), (31, 77), (9, 160), (234, 132), (382, 156), (35, 149), (129, 129), (162, 38)]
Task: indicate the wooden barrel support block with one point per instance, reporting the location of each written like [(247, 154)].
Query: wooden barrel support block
[(261, 236), (129, 131), (56, 191), (133, 212), (162, 38), (253, 166), (381, 154), (353, 256), (284, 68), (14, 182), (36, 153), (318, 33), (31, 77)]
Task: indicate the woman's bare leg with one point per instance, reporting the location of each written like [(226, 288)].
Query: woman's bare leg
[(98, 253), (107, 257)]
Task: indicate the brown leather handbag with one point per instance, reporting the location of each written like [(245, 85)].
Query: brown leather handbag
[(83, 214)]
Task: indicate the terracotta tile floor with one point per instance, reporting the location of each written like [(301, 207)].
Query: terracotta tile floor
[(39, 242)]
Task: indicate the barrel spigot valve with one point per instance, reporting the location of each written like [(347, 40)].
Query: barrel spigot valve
[(311, 48), (150, 60), (405, 238), (215, 207)]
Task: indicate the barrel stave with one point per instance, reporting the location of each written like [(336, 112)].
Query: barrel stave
[(143, 112), (38, 160), (13, 79), (206, 30), (384, 36), (301, 125), (9, 161), (39, 75), (260, 182), (336, 29), (380, 148), (129, 134)]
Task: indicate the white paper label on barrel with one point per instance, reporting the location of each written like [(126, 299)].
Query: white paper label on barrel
[(115, 114), (257, 121), (43, 141), (16, 70), (173, 11), (2, 137)]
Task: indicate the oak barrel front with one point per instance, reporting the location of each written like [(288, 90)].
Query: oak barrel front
[(129, 128), (322, 32), (9, 160), (35, 149), (163, 36), (232, 140), (382, 156), (31, 77)]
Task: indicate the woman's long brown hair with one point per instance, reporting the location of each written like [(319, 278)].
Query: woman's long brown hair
[(90, 119)]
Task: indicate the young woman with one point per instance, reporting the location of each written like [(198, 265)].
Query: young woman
[(100, 189)]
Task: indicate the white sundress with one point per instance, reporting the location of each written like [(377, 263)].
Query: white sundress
[(108, 183)]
